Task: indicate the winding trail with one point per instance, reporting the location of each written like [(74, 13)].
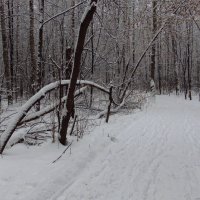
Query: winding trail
[(154, 157), (149, 155)]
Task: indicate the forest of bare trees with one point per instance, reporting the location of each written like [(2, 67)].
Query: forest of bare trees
[(116, 46)]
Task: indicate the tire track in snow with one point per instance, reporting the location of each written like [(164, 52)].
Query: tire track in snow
[(151, 167), (154, 156)]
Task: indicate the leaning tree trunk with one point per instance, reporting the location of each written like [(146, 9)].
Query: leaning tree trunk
[(86, 19), (17, 120)]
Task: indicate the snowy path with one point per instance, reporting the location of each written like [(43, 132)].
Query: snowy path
[(151, 155)]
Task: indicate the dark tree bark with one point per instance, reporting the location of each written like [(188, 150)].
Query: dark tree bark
[(5, 52), (110, 103), (72, 24), (189, 58), (175, 63), (11, 47), (40, 64), (159, 69), (16, 38), (87, 18), (68, 57), (92, 61), (153, 50), (32, 46)]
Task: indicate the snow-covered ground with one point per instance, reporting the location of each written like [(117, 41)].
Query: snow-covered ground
[(149, 155)]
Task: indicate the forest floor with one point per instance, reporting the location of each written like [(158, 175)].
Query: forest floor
[(153, 154)]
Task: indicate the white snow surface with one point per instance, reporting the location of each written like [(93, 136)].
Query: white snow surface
[(152, 154)]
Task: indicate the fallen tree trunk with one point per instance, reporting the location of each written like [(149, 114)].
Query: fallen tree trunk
[(15, 121), (48, 109)]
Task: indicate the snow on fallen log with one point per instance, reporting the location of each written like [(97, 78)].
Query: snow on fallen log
[(22, 112), (48, 109)]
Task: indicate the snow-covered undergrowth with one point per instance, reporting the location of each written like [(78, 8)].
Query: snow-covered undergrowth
[(36, 131), (151, 154), (30, 168)]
